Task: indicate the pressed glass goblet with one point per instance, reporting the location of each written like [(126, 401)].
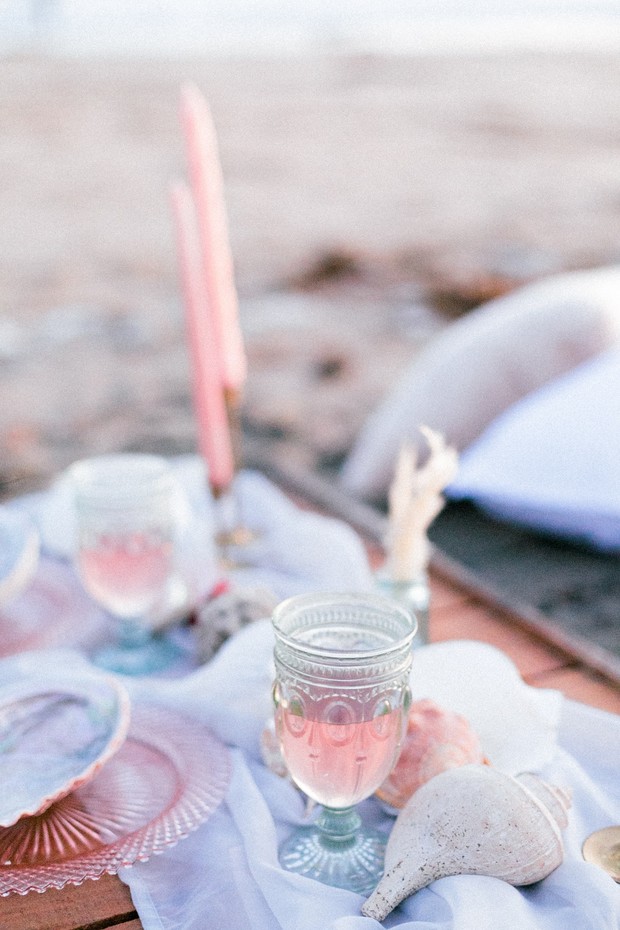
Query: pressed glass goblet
[(124, 551), (341, 699)]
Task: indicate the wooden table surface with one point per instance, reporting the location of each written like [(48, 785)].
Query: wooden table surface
[(460, 609)]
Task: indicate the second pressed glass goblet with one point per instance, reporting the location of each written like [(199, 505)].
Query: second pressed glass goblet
[(125, 551), (341, 699)]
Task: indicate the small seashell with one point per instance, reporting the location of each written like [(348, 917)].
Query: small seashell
[(57, 731), (472, 820), (436, 740), (222, 616)]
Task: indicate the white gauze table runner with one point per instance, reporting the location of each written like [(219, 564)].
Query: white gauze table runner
[(226, 876)]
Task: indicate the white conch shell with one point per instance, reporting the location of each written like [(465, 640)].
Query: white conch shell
[(472, 820)]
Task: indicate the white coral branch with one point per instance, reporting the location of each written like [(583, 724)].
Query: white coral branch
[(415, 499)]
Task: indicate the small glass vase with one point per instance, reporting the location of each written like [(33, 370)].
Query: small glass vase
[(233, 537), (413, 594)]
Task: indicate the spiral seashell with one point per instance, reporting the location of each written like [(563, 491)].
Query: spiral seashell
[(436, 739), (472, 820)]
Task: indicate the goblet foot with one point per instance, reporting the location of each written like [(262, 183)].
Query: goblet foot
[(137, 653), (337, 851)]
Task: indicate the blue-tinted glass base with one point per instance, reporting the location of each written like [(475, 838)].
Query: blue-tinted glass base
[(137, 653), (337, 851)]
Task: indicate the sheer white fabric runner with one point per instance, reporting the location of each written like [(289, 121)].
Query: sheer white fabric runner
[(226, 874)]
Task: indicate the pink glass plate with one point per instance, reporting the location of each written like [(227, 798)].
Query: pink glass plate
[(53, 610), (56, 733), (167, 778)]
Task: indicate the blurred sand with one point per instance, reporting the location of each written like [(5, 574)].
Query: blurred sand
[(364, 194)]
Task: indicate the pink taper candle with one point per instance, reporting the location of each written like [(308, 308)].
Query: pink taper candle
[(208, 189), (214, 437)]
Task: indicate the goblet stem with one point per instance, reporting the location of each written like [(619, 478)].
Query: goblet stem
[(336, 850), (338, 827), (137, 650), (132, 633)]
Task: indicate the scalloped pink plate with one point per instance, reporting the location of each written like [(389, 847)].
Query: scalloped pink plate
[(167, 778), (56, 733)]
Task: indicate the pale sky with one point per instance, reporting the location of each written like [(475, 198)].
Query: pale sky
[(156, 26)]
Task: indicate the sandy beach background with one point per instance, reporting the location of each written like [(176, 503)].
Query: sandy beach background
[(371, 198)]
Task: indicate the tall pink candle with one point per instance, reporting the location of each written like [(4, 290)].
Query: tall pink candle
[(214, 437), (208, 189)]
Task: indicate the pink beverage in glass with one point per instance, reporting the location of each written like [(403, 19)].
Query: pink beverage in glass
[(339, 764), (127, 572)]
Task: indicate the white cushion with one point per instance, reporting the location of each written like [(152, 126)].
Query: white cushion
[(485, 362), (552, 460)]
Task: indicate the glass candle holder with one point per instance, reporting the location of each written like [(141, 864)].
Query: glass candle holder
[(414, 595), (233, 537), (341, 698)]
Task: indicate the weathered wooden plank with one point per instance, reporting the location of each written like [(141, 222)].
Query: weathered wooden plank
[(473, 620), (575, 649), (576, 588), (94, 905), (445, 595), (581, 685)]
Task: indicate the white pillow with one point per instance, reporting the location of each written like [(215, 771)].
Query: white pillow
[(552, 460), (483, 363)]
